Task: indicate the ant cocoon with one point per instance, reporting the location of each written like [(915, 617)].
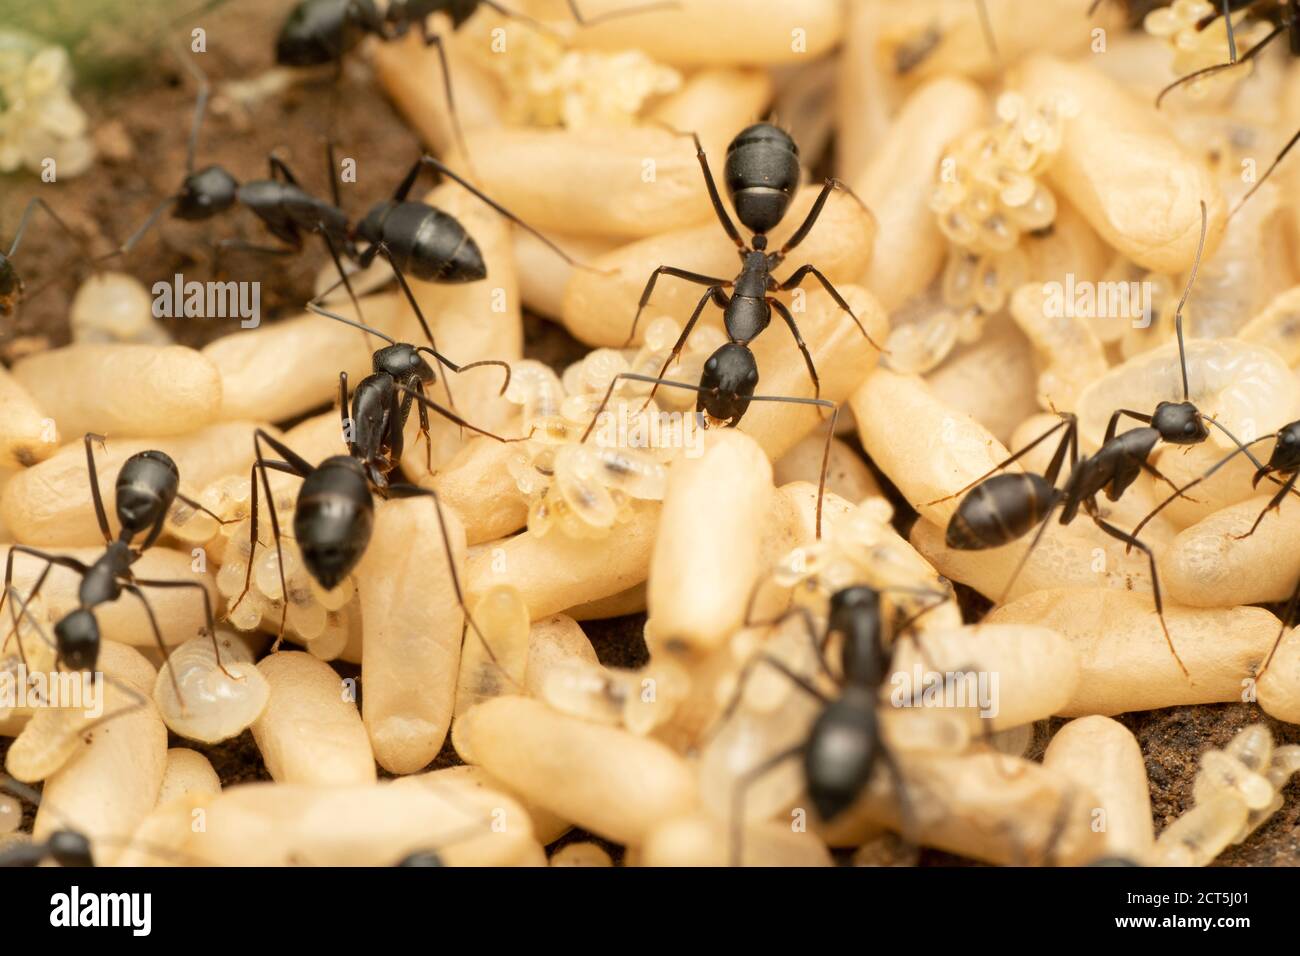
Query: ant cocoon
[(309, 732), (1124, 659), (1102, 754), (414, 626), (123, 390), (290, 824), (188, 773), (27, 434), (608, 781), (1113, 188), (701, 840), (897, 183), (724, 496)]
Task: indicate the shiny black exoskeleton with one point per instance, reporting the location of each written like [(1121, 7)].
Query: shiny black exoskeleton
[(334, 512), (147, 486), (761, 175), (844, 745), (63, 848)]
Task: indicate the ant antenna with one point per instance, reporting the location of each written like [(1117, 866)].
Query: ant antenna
[(1250, 54), (1187, 290)]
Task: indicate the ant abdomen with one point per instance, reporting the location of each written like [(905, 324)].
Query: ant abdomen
[(999, 510), (334, 518), (762, 173), (842, 750)]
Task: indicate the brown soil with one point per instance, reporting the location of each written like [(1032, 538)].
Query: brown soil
[(141, 111)]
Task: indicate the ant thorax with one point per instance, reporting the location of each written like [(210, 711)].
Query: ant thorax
[(323, 621)]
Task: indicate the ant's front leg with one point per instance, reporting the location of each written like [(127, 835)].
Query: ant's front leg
[(797, 277)]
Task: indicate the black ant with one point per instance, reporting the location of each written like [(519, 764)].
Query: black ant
[(1284, 460), (1284, 16), (379, 403), (11, 283), (148, 484), (322, 32), (761, 174), (283, 206), (1000, 508), (845, 743), (334, 512)]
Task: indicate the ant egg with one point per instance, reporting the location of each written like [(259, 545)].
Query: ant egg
[(586, 691), (333, 639), (11, 814), (215, 704)]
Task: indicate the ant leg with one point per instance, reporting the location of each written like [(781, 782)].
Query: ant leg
[(294, 464), (1187, 290), (1113, 424), (70, 563), (157, 637), (1259, 182), (782, 311), (1065, 421), (1155, 473), (1128, 539), (343, 273), (349, 426), (210, 627), (808, 270), (469, 187), (718, 208), (1274, 504), (200, 105), (101, 516), (432, 39), (419, 315), (649, 289), (623, 12), (456, 419), (741, 789), (738, 693), (402, 490), (1287, 616), (818, 643), (1137, 530), (717, 295), (814, 214), (908, 823), (1024, 558), (36, 202), (1246, 57)]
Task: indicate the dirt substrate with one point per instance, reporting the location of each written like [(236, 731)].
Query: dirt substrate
[(141, 110)]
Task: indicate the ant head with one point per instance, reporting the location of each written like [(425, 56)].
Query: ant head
[(70, 848), (402, 361), (11, 286), (316, 33), (1179, 423), (422, 858), (842, 750), (729, 379), (78, 638), (206, 193), (1286, 453), (849, 602), (147, 485), (761, 174)]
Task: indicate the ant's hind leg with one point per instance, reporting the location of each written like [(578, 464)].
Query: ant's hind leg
[(1274, 504), (740, 790)]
